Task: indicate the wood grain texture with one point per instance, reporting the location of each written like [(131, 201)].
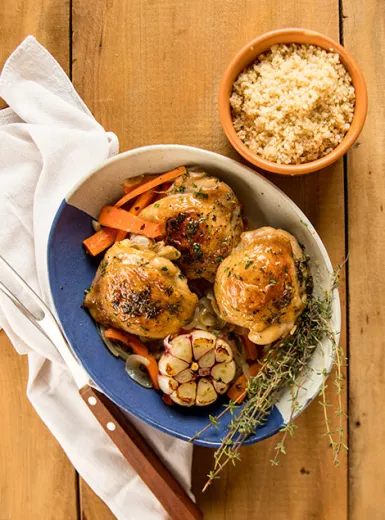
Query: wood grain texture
[(91, 506), (150, 71), (47, 20), (141, 456), (364, 36), (36, 479)]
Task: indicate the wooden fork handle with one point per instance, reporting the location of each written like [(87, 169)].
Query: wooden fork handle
[(141, 457)]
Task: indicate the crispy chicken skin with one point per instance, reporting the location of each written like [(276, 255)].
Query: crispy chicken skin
[(203, 221), (139, 290), (262, 285)]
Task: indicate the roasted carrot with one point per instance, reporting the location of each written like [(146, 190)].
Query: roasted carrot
[(129, 184), (152, 183), (251, 348), (99, 241), (140, 203), (120, 236), (128, 339), (143, 188), (162, 189), (167, 400), (237, 391), (120, 219), (139, 348), (152, 368)]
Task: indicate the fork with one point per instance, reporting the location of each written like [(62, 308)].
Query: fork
[(123, 434)]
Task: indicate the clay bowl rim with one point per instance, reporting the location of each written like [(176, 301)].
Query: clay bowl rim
[(248, 54)]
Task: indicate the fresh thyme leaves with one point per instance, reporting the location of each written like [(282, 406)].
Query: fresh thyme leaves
[(180, 189), (248, 263), (201, 194), (197, 249), (156, 205), (192, 227), (284, 364), (103, 267)]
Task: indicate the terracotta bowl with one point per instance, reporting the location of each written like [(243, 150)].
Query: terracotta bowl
[(248, 55)]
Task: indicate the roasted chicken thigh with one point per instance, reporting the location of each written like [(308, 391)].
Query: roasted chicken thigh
[(261, 286), (137, 288), (202, 219)]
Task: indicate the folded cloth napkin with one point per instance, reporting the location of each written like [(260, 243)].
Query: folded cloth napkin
[(48, 141)]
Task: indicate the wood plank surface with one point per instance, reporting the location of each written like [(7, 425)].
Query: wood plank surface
[(149, 71), (47, 20), (36, 479), (91, 506), (364, 35)]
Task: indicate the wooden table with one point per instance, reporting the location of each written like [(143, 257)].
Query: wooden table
[(149, 70)]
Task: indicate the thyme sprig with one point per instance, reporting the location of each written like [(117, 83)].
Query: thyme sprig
[(284, 364)]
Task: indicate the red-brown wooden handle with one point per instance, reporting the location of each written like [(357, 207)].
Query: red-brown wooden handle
[(141, 457)]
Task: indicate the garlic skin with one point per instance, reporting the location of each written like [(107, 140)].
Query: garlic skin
[(195, 368)]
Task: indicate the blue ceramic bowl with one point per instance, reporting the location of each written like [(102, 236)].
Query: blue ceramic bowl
[(71, 271)]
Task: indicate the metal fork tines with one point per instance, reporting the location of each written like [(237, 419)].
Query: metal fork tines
[(41, 317)]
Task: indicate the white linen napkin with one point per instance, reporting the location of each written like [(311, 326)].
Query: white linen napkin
[(48, 141)]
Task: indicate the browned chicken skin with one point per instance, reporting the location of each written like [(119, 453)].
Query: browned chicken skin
[(203, 221), (139, 290), (262, 285)]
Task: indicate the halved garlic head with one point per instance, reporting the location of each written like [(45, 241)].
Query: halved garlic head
[(195, 368)]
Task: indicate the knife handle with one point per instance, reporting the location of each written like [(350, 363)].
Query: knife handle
[(141, 457)]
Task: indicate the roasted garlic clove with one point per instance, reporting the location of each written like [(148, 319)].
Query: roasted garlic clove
[(206, 393), (168, 385), (224, 372), (202, 342), (180, 347), (170, 365), (185, 376), (185, 395), (208, 359), (223, 351), (220, 387)]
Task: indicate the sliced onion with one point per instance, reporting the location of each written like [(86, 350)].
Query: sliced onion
[(169, 252), (207, 318), (134, 368), (97, 227), (112, 346), (141, 240), (246, 369)]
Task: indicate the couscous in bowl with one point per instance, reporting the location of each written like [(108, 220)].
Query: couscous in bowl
[(349, 102)]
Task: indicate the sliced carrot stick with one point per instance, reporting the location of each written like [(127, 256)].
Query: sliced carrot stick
[(129, 184), (152, 183), (120, 236), (140, 203), (120, 219), (137, 346), (100, 240), (237, 391), (128, 339), (163, 188), (251, 348)]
